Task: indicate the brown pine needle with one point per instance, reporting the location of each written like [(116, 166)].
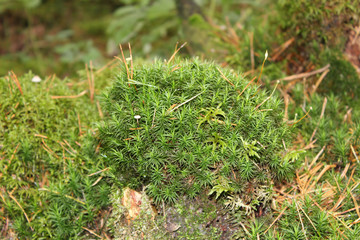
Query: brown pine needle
[(173, 109), (97, 180), (312, 224), (79, 123), (282, 48), (356, 204), (354, 153), (252, 59), (51, 82), (15, 79), (92, 174), (223, 76), (317, 156), (321, 116), (302, 224), (26, 216), (39, 135), (92, 86), (315, 87), (70, 97), (124, 60), (107, 65), (67, 196), (305, 75), (276, 219), (66, 142), (176, 51), (131, 62), (48, 149), (99, 109), (92, 232), (247, 86), (13, 155)]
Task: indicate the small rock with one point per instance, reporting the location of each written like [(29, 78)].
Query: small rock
[(172, 227)]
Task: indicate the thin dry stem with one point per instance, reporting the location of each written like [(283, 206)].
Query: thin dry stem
[(302, 117), (70, 97), (305, 75), (22, 209)]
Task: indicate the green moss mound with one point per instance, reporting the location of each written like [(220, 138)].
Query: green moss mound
[(46, 162), (196, 131)]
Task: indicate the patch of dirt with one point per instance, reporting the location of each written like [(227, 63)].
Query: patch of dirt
[(352, 49), (201, 216)]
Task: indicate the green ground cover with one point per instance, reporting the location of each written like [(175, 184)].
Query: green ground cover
[(220, 153)]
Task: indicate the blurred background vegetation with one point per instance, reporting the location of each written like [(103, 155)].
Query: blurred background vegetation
[(60, 36)]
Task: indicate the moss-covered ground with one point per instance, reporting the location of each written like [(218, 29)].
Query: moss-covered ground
[(63, 164)]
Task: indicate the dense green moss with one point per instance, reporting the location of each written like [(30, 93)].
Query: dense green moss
[(196, 131), (47, 152)]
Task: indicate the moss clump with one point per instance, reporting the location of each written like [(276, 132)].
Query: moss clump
[(47, 155), (196, 131)]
